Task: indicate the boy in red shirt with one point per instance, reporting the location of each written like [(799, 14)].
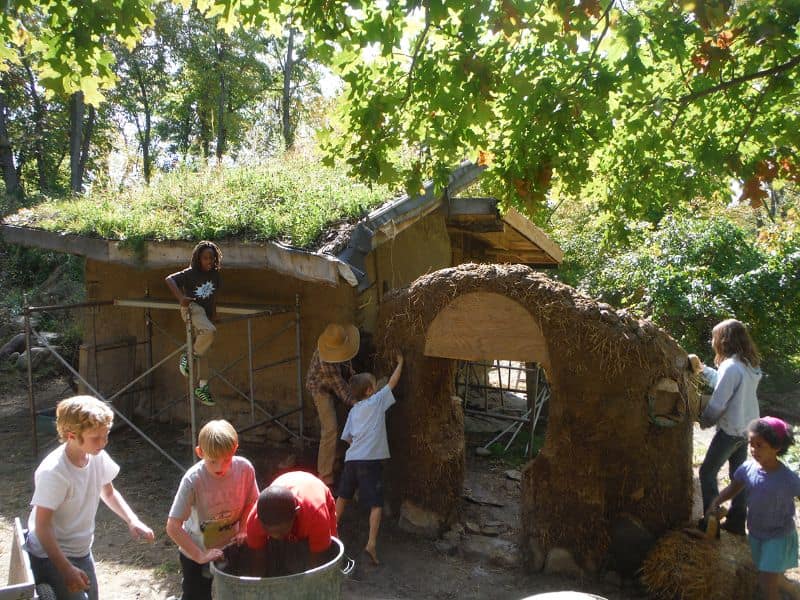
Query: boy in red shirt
[(291, 524)]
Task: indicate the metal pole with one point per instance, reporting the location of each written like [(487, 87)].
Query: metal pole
[(250, 369), (48, 307), (299, 365), (190, 361), (532, 406), (125, 419), (148, 354), (31, 402)]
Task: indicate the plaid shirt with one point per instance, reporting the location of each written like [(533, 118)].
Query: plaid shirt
[(331, 378)]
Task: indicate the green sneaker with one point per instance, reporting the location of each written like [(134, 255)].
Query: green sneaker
[(203, 394), (183, 365)]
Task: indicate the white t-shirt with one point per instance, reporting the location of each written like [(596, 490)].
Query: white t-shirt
[(72, 493), (215, 506), (365, 429)]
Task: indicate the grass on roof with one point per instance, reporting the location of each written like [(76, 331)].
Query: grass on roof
[(291, 200)]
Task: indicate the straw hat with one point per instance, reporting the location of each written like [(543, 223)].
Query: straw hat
[(338, 343)]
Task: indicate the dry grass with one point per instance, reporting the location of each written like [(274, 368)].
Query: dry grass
[(688, 568)]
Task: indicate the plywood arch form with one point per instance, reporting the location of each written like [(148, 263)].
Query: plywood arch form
[(486, 326)]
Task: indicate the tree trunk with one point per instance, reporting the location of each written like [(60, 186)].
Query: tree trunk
[(221, 130), (10, 177), (144, 134), (288, 132), (38, 124), (85, 142), (76, 109)]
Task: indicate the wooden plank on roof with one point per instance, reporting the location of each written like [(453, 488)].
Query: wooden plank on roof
[(60, 242), (472, 206), (523, 225), (307, 266)]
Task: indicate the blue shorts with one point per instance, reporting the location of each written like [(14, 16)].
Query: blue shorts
[(367, 476), (775, 555)]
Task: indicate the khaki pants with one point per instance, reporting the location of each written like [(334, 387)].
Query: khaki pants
[(328, 428), (203, 330)]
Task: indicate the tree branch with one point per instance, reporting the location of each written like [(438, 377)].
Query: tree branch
[(738, 80)]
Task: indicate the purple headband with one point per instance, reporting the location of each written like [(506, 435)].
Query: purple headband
[(780, 427)]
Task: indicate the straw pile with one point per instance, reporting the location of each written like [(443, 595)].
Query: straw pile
[(684, 567)]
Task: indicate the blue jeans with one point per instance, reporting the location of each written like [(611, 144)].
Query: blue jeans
[(44, 571), (732, 449)]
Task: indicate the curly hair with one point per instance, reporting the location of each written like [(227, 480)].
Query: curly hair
[(774, 431), (198, 250), (218, 439), (81, 413), (730, 337)]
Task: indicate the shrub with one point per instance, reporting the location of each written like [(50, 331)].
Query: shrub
[(690, 273)]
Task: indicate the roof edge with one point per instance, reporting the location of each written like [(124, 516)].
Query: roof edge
[(308, 266)]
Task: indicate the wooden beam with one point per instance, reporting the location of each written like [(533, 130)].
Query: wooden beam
[(524, 226), (307, 266)]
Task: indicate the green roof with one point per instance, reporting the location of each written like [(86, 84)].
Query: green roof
[(291, 200)]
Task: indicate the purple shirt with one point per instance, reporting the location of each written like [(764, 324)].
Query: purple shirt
[(770, 499)]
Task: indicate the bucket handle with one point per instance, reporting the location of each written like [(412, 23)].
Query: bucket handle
[(348, 568)]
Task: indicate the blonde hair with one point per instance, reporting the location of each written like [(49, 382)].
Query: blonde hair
[(360, 383), (81, 413), (218, 439)]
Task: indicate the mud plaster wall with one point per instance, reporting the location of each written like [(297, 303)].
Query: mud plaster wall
[(602, 456), (275, 388), (419, 249)]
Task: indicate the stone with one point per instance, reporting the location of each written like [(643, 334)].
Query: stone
[(38, 356), (420, 521), (535, 556), (514, 474), (15, 344), (630, 542), (560, 561), (495, 551), (481, 451), (471, 527), (492, 530), (446, 547), (457, 528), (452, 537)]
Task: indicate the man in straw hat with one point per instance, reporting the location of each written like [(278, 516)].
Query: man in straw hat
[(327, 378)]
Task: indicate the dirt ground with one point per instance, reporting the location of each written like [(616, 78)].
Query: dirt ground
[(127, 570)]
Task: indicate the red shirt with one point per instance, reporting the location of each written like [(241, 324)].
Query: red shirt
[(314, 521)]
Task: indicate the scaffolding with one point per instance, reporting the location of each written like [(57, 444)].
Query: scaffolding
[(236, 312), (537, 396)]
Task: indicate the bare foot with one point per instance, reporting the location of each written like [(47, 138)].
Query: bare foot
[(373, 555)]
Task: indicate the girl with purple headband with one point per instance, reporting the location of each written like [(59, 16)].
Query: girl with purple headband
[(771, 489)]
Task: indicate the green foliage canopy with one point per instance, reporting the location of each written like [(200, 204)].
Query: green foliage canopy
[(645, 105)]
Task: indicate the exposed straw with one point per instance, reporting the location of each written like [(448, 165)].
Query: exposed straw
[(684, 567)]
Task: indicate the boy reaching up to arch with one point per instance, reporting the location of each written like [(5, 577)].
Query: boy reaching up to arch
[(365, 431)]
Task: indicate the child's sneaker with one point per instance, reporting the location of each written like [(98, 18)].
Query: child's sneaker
[(203, 394), (183, 365)]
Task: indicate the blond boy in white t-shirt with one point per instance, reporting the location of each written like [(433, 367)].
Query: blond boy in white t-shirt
[(69, 484)]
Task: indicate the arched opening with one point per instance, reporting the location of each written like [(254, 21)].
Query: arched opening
[(605, 454)]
